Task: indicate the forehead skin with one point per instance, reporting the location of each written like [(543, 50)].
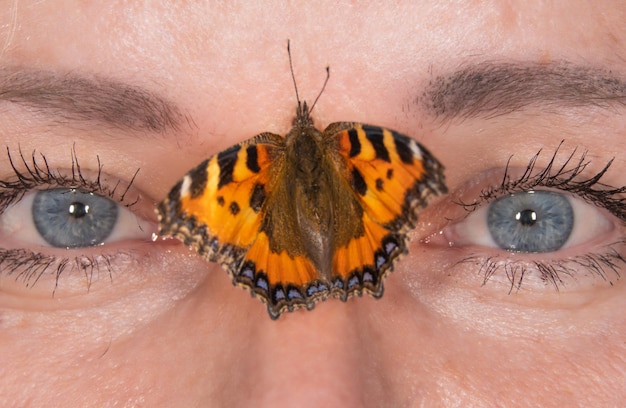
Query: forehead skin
[(200, 76)]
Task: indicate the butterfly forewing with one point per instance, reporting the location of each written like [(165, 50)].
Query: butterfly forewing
[(217, 207), (393, 175)]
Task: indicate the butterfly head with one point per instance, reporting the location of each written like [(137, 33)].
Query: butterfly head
[(303, 116)]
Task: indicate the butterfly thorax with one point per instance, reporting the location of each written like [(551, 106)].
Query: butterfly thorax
[(308, 183), (307, 168), (308, 175)]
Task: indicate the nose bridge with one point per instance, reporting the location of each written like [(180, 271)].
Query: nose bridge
[(311, 359)]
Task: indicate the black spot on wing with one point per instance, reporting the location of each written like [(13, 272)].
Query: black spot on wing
[(258, 197), (375, 136), (358, 182), (402, 147), (221, 201), (234, 208), (379, 184), (252, 159), (198, 179), (355, 143), (226, 161)]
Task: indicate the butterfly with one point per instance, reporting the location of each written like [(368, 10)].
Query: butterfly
[(312, 215)]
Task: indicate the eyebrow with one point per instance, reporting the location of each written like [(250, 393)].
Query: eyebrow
[(487, 89), (492, 89), (89, 98)]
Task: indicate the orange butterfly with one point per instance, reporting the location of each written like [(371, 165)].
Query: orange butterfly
[(297, 219)]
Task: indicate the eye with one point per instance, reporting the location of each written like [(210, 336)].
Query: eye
[(70, 218), (531, 221)]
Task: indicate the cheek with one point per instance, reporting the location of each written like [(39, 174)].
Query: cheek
[(461, 341), (97, 341)]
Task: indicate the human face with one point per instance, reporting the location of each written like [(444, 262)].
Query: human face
[(483, 85)]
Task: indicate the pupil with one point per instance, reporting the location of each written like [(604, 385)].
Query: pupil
[(78, 210), (526, 217)]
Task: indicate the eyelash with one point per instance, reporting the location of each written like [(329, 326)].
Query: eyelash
[(565, 178), (35, 175), (29, 266)]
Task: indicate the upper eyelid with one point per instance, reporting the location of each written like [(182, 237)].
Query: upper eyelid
[(569, 176), (35, 172)]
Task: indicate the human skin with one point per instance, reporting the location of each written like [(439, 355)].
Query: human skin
[(159, 326)]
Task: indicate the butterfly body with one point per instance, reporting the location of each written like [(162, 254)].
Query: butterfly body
[(314, 214), (319, 214)]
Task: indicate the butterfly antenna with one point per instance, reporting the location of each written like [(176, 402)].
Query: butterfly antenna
[(322, 90), (293, 76)]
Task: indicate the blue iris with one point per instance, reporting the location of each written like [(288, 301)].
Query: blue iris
[(71, 218), (534, 221)]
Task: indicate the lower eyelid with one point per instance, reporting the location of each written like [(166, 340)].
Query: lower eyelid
[(54, 279), (594, 256), (62, 274), (524, 273)]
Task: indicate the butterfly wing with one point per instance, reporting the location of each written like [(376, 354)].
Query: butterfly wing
[(236, 208), (215, 208), (392, 177), (221, 209)]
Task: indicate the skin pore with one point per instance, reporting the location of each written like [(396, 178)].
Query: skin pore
[(94, 91)]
